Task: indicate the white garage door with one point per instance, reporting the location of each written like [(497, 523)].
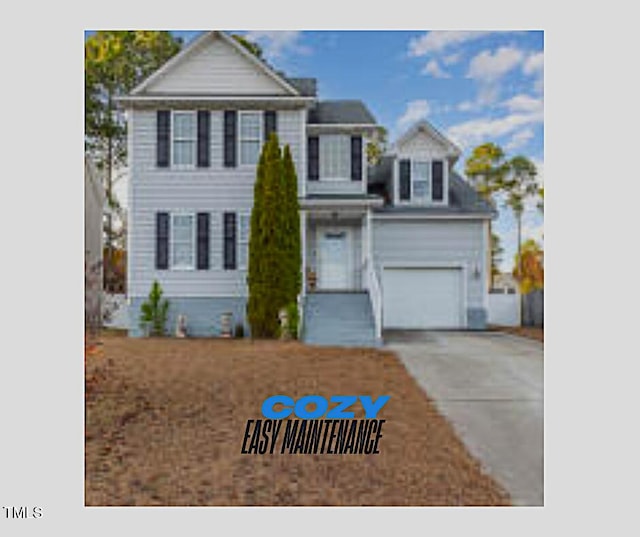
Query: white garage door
[(422, 298)]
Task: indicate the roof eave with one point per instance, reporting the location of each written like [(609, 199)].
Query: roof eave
[(129, 101), (343, 127), (426, 215)]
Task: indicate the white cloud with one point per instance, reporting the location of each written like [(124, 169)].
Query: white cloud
[(488, 67), (533, 64), (433, 68), (452, 59), (438, 41), (466, 106), (524, 103), (415, 111), (483, 129), (487, 94), (278, 43), (519, 139)]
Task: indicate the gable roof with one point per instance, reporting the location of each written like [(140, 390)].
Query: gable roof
[(342, 112), (195, 45), (425, 127)]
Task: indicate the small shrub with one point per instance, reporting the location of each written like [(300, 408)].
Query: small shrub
[(153, 312), (292, 322)]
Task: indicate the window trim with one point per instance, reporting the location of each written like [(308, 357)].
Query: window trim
[(240, 243), (194, 154), (240, 139), (194, 238)]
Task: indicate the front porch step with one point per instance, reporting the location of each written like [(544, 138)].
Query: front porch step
[(340, 319)]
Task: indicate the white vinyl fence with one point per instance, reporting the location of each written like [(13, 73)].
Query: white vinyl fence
[(504, 309)]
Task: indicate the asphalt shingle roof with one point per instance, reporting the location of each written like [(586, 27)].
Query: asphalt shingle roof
[(344, 112), (462, 196), (308, 87)]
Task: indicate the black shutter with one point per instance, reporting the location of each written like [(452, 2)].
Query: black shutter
[(203, 241), (356, 158), (163, 132), (162, 241), (230, 241), (204, 123), (230, 121), (437, 180), (270, 123), (405, 179), (313, 158)]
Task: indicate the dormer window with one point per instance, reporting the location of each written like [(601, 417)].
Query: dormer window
[(421, 182), (420, 188)]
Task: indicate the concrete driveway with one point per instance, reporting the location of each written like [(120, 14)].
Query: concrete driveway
[(489, 385)]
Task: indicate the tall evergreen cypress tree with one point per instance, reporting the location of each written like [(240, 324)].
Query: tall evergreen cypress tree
[(266, 253), (291, 210), (274, 276)]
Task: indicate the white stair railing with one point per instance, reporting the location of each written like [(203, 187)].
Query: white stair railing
[(375, 296)]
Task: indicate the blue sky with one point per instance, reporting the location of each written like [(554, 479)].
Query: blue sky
[(473, 86)]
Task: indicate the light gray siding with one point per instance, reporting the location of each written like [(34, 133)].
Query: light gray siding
[(215, 68), (215, 190), (414, 243)]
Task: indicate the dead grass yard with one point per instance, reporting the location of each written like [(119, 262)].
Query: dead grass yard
[(165, 421)]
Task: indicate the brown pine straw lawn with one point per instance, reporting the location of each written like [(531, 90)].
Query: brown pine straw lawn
[(165, 420)]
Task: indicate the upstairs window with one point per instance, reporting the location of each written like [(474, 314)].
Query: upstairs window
[(250, 137), (335, 157), (184, 139)]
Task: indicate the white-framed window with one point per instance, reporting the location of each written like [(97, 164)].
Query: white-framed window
[(183, 240), (244, 230), (335, 157), (184, 138), (420, 181), (250, 137)]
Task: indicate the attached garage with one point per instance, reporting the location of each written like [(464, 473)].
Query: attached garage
[(423, 297)]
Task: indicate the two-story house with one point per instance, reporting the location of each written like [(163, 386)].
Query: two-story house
[(403, 244)]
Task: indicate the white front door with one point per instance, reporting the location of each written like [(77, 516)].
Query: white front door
[(333, 248)]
